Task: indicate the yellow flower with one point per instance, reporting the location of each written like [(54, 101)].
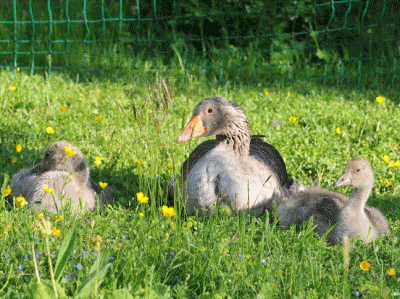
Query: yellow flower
[(141, 198), (7, 191), (391, 272), (292, 119), (62, 108), (140, 162), (20, 201), (69, 151), (59, 218), (288, 94), (97, 161), (1, 214), (5, 232), (14, 159), (369, 31), (166, 235), (13, 88), (392, 164), (338, 131), (47, 189), (56, 231), (50, 130), (389, 183), (173, 225), (380, 99), (169, 166), (266, 94), (18, 148), (40, 215), (364, 265), (103, 185), (386, 158), (381, 181), (168, 212), (141, 214), (18, 69), (99, 118), (397, 163)]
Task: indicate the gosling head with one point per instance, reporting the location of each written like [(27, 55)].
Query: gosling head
[(56, 159), (357, 173)]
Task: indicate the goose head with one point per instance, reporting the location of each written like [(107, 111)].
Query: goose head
[(56, 159), (220, 117), (357, 173)]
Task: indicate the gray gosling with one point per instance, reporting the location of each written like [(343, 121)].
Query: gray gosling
[(355, 219), (67, 176), (322, 204)]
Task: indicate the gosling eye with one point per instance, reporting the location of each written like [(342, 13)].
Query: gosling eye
[(358, 169), (210, 110)]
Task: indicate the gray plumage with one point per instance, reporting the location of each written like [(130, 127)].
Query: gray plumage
[(68, 176), (356, 219), (322, 204)]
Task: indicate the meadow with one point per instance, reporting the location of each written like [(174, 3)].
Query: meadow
[(128, 249)]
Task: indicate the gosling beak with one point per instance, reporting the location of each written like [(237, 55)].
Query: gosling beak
[(194, 128), (344, 180)]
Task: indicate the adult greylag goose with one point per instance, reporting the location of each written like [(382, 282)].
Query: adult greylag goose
[(236, 169), (67, 176), (355, 219)]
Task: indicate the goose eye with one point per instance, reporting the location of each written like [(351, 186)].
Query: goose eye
[(358, 169), (210, 110)]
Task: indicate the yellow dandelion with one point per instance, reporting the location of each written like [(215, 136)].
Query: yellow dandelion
[(391, 272), (18, 148), (380, 99), (1, 214), (14, 159), (59, 218), (13, 88), (338, 131), (99, 118), (169, 166), (20, 201), (5, 232), (392, 164), (18, 69), (266, 94), (47, 189), (62, 108), (141, 214), (381, 181), (97, 161), (50, 130), (55, 231), (173, 225), (168, 211), (166, 236), (389, 183), (69, 151), (364, 265), (288, 94), (397, 164), (7, 191), (103, 185), (141, 198), (140, 162), (386, 158), (292, 119)]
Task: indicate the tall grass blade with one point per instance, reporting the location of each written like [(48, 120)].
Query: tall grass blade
[(65, 252)]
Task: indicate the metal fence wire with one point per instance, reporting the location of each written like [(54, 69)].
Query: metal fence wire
[(342, 43)]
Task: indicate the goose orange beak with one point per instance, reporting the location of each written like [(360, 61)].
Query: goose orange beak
[(344, 180), (194, 128)]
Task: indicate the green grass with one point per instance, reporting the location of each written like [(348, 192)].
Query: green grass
[(219, 257)]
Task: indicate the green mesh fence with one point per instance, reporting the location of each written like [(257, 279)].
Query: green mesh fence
[(342, 43)]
